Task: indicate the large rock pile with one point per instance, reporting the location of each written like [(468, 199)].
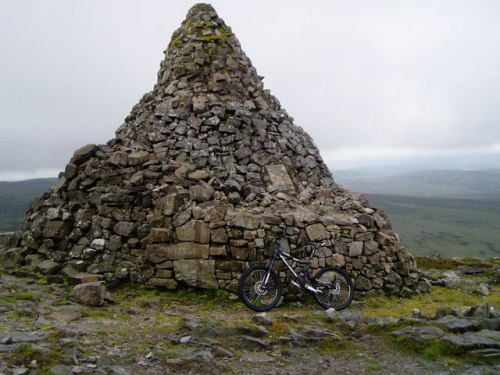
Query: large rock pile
[(205, 167)]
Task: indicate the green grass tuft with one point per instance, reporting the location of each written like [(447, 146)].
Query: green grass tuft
[(373, 365), (103, 314), (25, 353)]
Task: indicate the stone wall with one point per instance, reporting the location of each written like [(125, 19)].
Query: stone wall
[(4, 236)]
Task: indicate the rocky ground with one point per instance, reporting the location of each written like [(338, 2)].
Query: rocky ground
[(454, 329)]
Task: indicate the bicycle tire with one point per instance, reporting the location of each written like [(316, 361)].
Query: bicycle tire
[(335, 288), (252, 295)]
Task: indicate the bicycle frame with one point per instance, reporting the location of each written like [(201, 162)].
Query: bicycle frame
[(261, 287), (284, 256)]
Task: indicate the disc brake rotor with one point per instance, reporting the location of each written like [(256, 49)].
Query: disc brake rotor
[(259, 290)]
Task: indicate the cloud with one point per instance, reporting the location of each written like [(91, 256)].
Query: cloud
[(385, 75)]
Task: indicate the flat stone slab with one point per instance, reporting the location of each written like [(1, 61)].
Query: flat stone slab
[(257, 358), (66, 313), (280, 179), (158, 253), (458, 325), (475, 340), (420, 333), (308, 335), (11, 340)]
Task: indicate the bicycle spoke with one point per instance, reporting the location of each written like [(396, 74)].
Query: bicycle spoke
[(334, 289), (255, 293)]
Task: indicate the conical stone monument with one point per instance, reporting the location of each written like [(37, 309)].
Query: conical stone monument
[(204, 169)]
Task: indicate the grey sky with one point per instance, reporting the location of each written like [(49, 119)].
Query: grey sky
[(368, 80)]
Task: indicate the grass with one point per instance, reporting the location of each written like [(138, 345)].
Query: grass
[(373, 365), (25, 353), (25, 296), (7, 299), (428, 303), (204, 299), (431, 350), (101, 314), (18, 296), (436, 263), (331, 344)]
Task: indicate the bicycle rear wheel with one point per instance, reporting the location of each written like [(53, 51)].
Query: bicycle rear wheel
[(335, 288), (254, 293)]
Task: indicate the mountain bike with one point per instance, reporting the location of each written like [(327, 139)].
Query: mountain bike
[(260, 289)]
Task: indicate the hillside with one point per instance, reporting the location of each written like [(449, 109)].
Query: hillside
[(429, 183), (448, 227), (15, 198), (445, 212)]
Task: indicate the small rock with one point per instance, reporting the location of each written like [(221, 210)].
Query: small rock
[(330, 313), (491, 324), (483, 289), (47, 266), (117, 370), (255, 341), (20, 371), (262, 318), (468, 270), (90, 294), (383, 322), (309, 335), (98, 244), (66, 313), (19, 337), (253, 330), (451, 279), (221, 352), (344, 315), (483, 310), (256, 358), (185, 339), (6, 340), (417, 314), (60, 370)]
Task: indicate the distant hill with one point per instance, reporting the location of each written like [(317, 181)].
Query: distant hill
[(445, 212), (15, 198), (432, 183), (448, 227)]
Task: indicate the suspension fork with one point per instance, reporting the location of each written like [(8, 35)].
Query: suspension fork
[(270, 266)]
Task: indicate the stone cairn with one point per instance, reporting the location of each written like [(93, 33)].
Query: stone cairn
[(204, 169)]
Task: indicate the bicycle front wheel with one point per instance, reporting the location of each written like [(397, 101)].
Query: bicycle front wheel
[(255, 292), (335, 288)]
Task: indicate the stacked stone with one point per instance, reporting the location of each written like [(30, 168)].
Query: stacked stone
[(204, 169)]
